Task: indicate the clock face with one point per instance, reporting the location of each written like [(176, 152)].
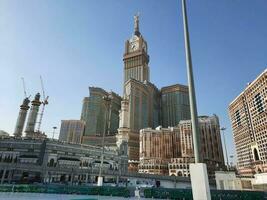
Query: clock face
[(134, 39), (134, 46), (134, 43)]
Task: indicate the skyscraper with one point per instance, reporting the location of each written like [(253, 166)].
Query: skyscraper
[(249, 123), (148, 107), (136, 58), (143, 105), (174, 104), (143, 96), (94, 114)]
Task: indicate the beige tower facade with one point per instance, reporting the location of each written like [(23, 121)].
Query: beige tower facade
[(135, 57), (170, 150), (142, 96), (248, 116), (157, 148), (210, 149), (148, 107), (210, 139)]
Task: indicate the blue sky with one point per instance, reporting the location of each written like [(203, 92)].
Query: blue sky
[(76, 44)]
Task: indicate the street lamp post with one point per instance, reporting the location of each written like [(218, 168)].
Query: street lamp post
[(107, 103), (225, 148), (198, 170), (54, 129)]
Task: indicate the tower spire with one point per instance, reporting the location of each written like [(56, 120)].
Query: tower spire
[(136, 24)]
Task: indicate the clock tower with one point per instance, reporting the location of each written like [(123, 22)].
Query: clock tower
[(135, 57)]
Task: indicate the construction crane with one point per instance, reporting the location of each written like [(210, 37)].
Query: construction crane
[(24, 88), (44, 103)]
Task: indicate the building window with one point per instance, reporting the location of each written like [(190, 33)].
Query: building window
[(258, 103), (237, 117), (180, 173), (51, 163), (256, 155)]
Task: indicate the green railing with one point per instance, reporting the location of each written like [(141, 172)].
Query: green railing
[(236, 195), (186, 194), (61, 189), (164, 193)]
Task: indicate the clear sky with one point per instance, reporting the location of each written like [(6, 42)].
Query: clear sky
[(76, 44)]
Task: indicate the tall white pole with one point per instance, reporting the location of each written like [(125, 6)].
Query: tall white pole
[(198, 170), (107, 102), (191, 86), (225, 148)]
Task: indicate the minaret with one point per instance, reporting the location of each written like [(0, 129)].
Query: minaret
[(22, 117), (33, 115), (122, 137), (123, 130)]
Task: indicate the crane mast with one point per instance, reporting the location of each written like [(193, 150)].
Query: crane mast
[(24, 87), (44, 103)]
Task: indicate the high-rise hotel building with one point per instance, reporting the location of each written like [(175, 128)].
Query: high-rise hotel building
[(95, 114), (157, 148), (148, 106), (142, 105), (174, 104), (171, 150), (248, 114)]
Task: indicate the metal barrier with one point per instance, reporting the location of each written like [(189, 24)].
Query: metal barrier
[(62, 189), (161, 193)]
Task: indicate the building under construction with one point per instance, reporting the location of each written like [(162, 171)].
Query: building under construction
[(31, 120), (31, 131)]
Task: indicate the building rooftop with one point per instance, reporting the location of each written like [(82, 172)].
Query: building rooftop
[(249, 85), (177, 87)]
